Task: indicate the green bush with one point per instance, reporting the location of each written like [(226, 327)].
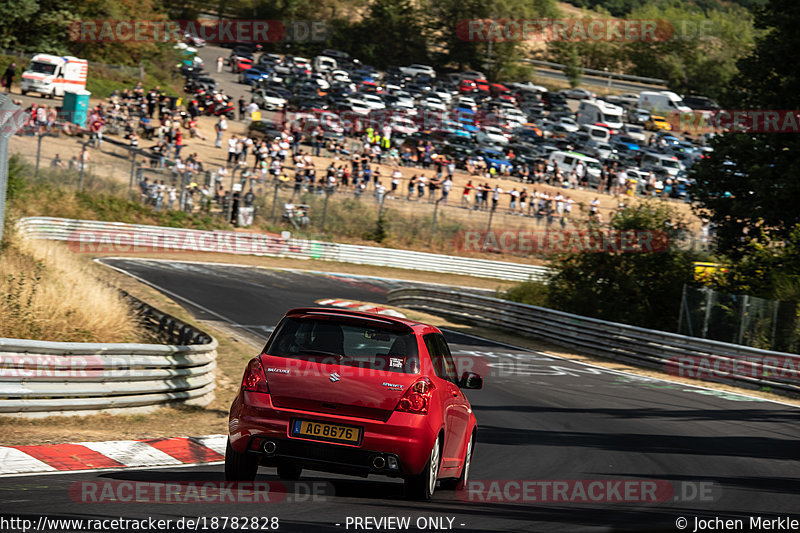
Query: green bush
[(528, 292)]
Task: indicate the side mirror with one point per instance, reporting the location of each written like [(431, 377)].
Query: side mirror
[(470, 380)]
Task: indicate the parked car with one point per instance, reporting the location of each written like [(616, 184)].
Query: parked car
[(578, 94), (417, 69), (656, 123), (268, 99)]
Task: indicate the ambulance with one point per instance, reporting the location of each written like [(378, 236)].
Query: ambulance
[(51, 75)]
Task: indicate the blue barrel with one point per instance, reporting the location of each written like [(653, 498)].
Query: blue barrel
[(75, 107)]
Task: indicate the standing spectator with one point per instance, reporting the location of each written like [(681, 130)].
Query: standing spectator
[(242, 103), (178, 143), (252, 107), (41, 117), (8, 76), (97, 131), (567, 210), (316, 141), (220, 63), (467, 191), (496, 192), (512, 206), (396, 175), (594, 207), (447, 185), (144, 188), (233, 142), (220, 127), (247, 143), (172, 195), (411, 184), (622, 182), (523, 201)]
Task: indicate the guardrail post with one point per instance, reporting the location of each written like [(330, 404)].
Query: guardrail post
[(229, 208), (11, 118), (84, 147), (133, 153), (275, 199), (435, 212), (328, 192)]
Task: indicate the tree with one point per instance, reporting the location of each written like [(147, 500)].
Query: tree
[(392, 33), (695, 51), (452, 45), (639, 288), (573, 68), (749, 185)]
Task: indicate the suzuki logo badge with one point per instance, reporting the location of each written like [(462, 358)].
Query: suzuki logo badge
[(335, 377)]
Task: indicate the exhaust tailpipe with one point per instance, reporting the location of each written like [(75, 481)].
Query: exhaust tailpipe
[(378, 463), (269, 447)]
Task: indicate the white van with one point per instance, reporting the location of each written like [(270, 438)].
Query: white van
[(324, 64), (662, 101), (567, 161), (599, 111), (667, 163)]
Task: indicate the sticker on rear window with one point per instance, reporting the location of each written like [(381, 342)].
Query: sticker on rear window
[(395, 362)]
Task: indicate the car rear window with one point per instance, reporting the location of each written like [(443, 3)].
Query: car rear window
[(349, 343)]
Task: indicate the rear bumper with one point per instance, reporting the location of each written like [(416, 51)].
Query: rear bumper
[(325, 457), (406, 437)]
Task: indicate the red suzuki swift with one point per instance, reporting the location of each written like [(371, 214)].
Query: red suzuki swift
[(354, 393)]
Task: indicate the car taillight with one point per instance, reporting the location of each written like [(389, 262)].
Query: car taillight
[(254, 379), (417, 398)]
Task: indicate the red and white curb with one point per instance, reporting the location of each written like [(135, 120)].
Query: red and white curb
[(361, 306), (52, 458)]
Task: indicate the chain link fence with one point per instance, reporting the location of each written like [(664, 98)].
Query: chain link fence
[(740, 319)]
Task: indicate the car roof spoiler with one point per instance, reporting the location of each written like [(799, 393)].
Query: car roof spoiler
[(333, 311)]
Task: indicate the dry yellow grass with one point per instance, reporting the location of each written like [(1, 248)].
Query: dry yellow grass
[(48, 293)]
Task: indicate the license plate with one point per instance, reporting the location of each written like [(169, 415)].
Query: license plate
[(326, 432)]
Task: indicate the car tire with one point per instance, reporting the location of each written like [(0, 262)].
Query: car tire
[(289, 471), (460, 483), (239, 466), (421, 487)]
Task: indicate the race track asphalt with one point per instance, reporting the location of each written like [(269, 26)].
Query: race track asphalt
[(542, 420)]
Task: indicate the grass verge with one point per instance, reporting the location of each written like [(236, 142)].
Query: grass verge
[(49, 293)]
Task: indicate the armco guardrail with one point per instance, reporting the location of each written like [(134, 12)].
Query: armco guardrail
[(594, 72), (42, 378), (677, 354), (117, 237)]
